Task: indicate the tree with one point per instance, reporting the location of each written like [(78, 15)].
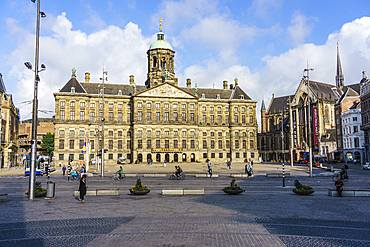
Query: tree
[(48, 142)]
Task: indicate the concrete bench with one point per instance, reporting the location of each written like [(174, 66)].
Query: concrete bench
[(130, 175), (205, 175), (241, 175), (326, 174), (3, 197), (182, 191), (349, 193), (99, 192), (155, 175), (277, 175)]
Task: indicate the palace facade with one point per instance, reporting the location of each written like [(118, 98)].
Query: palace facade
[(158, 120)]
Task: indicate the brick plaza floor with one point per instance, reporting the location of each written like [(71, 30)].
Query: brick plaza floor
[(265, 215)]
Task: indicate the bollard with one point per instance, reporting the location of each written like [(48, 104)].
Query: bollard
[(331, 168), (50, 191), (283, 176)]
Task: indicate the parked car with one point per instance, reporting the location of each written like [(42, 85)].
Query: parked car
[(366, 166)]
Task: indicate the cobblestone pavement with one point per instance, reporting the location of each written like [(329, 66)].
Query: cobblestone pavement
[(265, 215)]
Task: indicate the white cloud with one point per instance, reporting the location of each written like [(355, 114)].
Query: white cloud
[(264, 8), (122, 51), (299, 29)]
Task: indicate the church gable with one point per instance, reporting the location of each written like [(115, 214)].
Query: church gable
[(166, 90)]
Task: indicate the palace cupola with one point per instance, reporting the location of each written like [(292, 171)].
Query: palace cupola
[(160, 61)]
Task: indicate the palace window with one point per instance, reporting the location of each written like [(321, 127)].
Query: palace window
[(148, 116), (250, 119), (110, 106), (119, 146), (92, 116), (166, 144), (203, 108), (110, 133), (110, 144), (71, 144), (120, 133), (243, 119), (149, 144), (82, 115), (72, 104), (183, 106), (183, 116), (148, 105), (157, 116), (227, 119), (212, 118), (62, 103), (72, 116), (219, 133), (139, 115), (204, 133), (128, 117), (244, 144), (204, 119), (227, 144), (204, 143), (158, 144), (191, 106), (92, 105), (175, 143), (235, 118), (175, 106), (157, 133), (82, 142), (71, 132), (219, 144), (61, 144), (166, 116), (148, 133), (139, 104), (61, 115), (251, 144), (119, 106), (192, 117), (175, 116), (61, 132), (236, 144), (184, 133), (212, 144), (120, 117), (157, 105), (128, 144), (211, 108), (166, 105), (139, 144), (184, 144), (219, 119)]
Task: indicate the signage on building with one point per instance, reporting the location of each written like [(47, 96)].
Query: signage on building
[(160, 150), (294, 128), (315, 126)]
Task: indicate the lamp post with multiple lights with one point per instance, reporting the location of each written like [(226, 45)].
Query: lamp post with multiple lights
[(309, 116), (32, 179)]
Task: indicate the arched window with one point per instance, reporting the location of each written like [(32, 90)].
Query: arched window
[(154, 62), (327, 115)]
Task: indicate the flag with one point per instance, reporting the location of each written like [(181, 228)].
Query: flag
[(85, 146)]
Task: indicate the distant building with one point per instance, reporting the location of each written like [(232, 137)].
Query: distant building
[(365, 113), (157, 121), (353, 136), (9, 128), (44, 126)]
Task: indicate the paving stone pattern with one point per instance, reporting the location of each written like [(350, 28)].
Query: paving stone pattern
[(265, 215)]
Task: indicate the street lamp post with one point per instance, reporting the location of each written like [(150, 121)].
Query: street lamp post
[(282, 144), (309, 116), (32, 180), (104, 78)]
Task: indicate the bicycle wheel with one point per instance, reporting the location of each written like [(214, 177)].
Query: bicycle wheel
[(335, 177), (345, 179)]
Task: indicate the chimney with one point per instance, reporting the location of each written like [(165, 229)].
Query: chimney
[(188, 82), (225, 84), (231, 86), (132, 80), (87, 77)]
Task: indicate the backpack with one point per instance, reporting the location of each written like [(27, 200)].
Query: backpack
[(346, 167)]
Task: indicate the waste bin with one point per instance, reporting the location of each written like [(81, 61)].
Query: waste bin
[(50, 189), (331, 168)]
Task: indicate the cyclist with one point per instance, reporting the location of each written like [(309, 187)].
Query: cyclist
[(343, 173), (120, 172), (178, 171)]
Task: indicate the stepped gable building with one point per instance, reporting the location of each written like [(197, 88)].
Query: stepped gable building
[(156, 121)]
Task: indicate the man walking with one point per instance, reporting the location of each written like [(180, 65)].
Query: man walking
[(339, 186), (64, 170)]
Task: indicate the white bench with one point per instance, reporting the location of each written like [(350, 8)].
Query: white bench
[(205, 175), (277, 175), (241, 175), (3, 197), (155, 175), (130, 175), (99, 192), (183, 191), (349, 193)]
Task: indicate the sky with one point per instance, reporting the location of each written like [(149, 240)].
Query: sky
[(266, 44)]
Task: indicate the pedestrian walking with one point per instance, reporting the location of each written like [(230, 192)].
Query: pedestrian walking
[(151, 162), (82, 189), (354, 161), (339, 186), (164, 163), (69, 171), (228, 164), (64, 170)]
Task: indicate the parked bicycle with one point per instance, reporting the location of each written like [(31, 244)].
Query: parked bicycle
[(116, 177)]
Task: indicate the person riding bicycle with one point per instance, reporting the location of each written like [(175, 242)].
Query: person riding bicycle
[(178, 171), (120, 172), (343, 173)]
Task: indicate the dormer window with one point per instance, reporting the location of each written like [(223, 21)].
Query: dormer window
[(203, 95), (241, 96), (120, 92), (72, 89), (101, 91), (218, 96)]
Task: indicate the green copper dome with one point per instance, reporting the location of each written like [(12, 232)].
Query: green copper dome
[(160, 42)]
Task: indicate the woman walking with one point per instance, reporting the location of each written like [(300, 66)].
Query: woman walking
[(82, 188)]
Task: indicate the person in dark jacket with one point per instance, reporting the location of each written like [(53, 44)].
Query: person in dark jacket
[(82, 188)]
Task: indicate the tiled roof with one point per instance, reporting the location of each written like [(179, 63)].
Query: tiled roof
[(323, 90), (112, 89), (278, 104), (72, 83), (356, 105), (355, 87), (209, 93)]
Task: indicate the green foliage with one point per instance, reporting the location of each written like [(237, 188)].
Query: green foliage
[(233, 186), (299, 186), (139, 186), (48, 142)]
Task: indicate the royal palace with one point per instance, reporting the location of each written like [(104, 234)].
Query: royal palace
[(157, 121)]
